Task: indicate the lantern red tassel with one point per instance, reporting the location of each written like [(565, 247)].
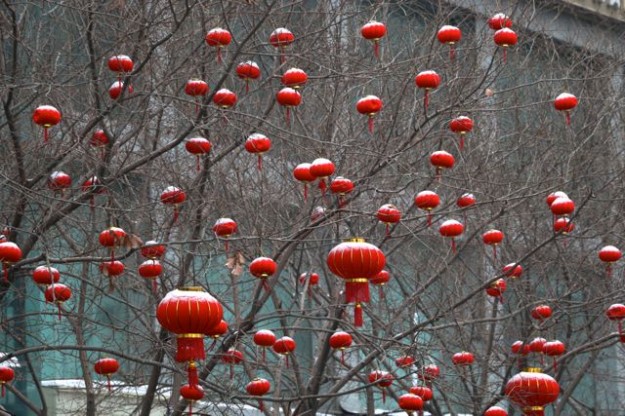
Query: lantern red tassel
[(376, 49), (358, 321), (219, 60), (452, 52), (426, 100), (568, 118), (370, 124), (192, 374), (190, 347), (322, 186), (3, 390), (461, 142), (357, 291), (176, 213)]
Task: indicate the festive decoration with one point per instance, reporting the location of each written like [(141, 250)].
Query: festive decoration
[(341, 340), (565, 102), (449, 35), (410, 403), (99, 140), (58, 181), (224, 228), (369, 106), (532, 390), (322, 169), (281, 38), (218, 38), (151, 269), (495, 411), (294, 78), (111, 238), (422, 391), (225, 99), (554, 349), (258, 387), (616, 312), (555, 195), (264, 338), (609, 255), (217, 332), (302, 173), (7, 374), (512, 270), (382, 379), (499, 21), (173, 196), (404, 361), (284, 346), (427, 80), (115, 90), (341, 186), (263, 268), (562, 206), (505, 38), (441, 160), (192, 393), (462, 359), (496, 289), (247, 71), (46, 116), (380, 280), (541, 312), (121, 64), (427, 201), (312, 279), (389, 214), (58, 293), (46, 275), (520, 348), (198, 146), (10, 253), (356, 262), (451, 229), (196, 88), (536, 345), (429, 373), (493, 238), (288, 97), (258, 144), (563, 225), (232, 357), (106, 367), (153, 250), (374, 31), (461, 126)]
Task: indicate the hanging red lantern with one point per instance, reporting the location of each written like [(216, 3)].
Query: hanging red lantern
[(493, 238), (46, 275), (536, 345), (106, 367), (341, 186), (312, 279), (428, 80), (111, 238), (422, 391), (258, 387), (99, 139), (512, 270), (505, 38), (499, 21), (462, 359), (451, 229), (356, 262), (196, 88), (224, 228), (46, 116), (153, 250), (58, 181), (218, 38), (369, 106), (541, 312), (562, 206), (461, 126), (258, 144), (7, 374), (198, 146), (555, 195), (616, 312), (10, 254), (217, 332), (173, 196), (263, 268), (427, 201), (609, 255), (565, 102), (520, 348), (380, 280), (288, 97), (374, 31), (151, 269), (247, 71), (232, 357), (404, 361), (93, 186), (225, 99), (495, 411), (429, 373), (341, 340), (410, 403), (554, 349), (389, 214), (192, 393), (563, 225), (281, 38), (189, 313), (284, 346), (302, 173), (294, 78), (464, 201), (112, 268), (322, 169), (115, 90), (496, 289), (441, 160), (532, 391), (449, 35), (264, 338), (120, 64), (382, 379), (58, 293)]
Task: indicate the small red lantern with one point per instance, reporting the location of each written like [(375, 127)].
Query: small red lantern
[(196, 88), (224, 228), (10, 253), (451, 229), (46, 275), (496, 289), (258, 387), (382, 379), (427, 201), (609, 255), (374, 31), (441, 160), (232, 357), (284, 346), (217, 332), (111, 238), (461, 126), (563, 225), (112, 268), (356, 262), (505, 38), (153, 250), (116, 89), (341, 186), (218, 38), (541, 312), (449, 35), (404, 361), (121, 64), (321, 169), (499, 21), (616, 312), (493, 238), (562, 206), (309, 279), (464, 201), (428, 80), (294, 78), (410, 403), (288, 97), (247, 71), (58, 181), (429, 373), (173, 196), (422, 391), (192, 393), (106, 367), (281, 38), (151, 269), (341, 340), (99, 139), (565, 102), (198, 146), (462, 359), (264, 338), (258, 144), (512, 270), (58, 293), (554, 349), (369, 106), (536, 345), (46, 116), (7, 374), (302, 173), (532, 390), (263, 268), (94, 187), (495, 411), (519, 347), (555, 195), (380, 280), (389, 214), (225, 99)]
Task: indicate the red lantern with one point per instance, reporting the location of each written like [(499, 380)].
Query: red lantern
[(258, 144), (410, 403), (224, 228), (281, 38), (536, 345), (153, 250), (563, 225), (247, 71), (428, 80), (284, 346), (288, 97), (380, 280), (192, 393), (369, 106), (106, 367), (462, 359), (258, 387), (341, 340), (341, 186), (495, 411), (99, 139), (264, 338), (555, 195), (562, 206), (7, 374), (263, 268), (565, 102), (451, 229), (198, 146), (112, 268), (225, 99), (374, 31), (422, 391), (151, 269), (216, 332), (116, 89), (449, 35), (493, 238), (46, 275), (519, 347), (499, 21), (218, 38), (312, 279), (541, 312), (464, 201), (532, 390), (196, 88), (461, 126), (382, 379), (616, 312), (302, 173), (59, 181), (356, 262), (94, 187), (232, 357), (189, 313), (554, 349), (441, 160), (609, 255), (10, 253), (388, 214), (427, 201), (294, 78), (496, 289), (429, 373), (58, 293), (112, 237), (512, 270), (121, 64), (505, 38), (321, 169), (46, 116), (173, 196)]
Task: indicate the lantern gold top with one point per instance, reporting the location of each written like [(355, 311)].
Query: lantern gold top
[(355, 240), (533, 370), (192, 289)]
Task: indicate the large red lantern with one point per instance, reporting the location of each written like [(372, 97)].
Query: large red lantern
[(121, 64), (341, 340), (192, 393), (258, 387), (382, 379), (224, 228), (111, 238), (427, 80), (505, 38), (410, 403), (46, 116), (461, 126), (389, 214), (58, 293), (106, 367), (554, 349), (449, 35), (609, 255), (7, 374), (285, 346), (288, 97), (258, 144), (294, 78), (218, 38), (499, 21), (356, 262), (322, 169), (281, 38), (58, 181), (532, 390), (264, 338), (341, 186), (493, 238), (247, 71), (263, 268), (46, 275), (565, 102), (495, 411), (374, 31), (369, 106), (198, 146), (173, 196), (225, 99), (616, 312), (302, 173), (10, 253), (451, 229), (442, 160), (427, 201)]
